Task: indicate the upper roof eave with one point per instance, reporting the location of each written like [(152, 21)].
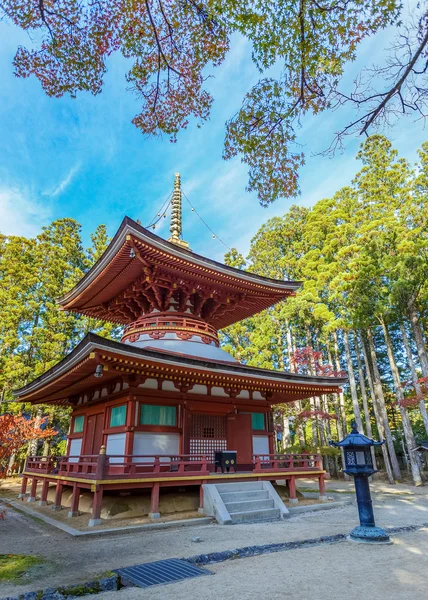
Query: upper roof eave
[(130, 227), (93, 342)]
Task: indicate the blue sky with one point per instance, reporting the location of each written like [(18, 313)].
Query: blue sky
[(84, 159)]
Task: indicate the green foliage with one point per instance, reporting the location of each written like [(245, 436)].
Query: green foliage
[(14, 566), (363, 258), (168, 47)]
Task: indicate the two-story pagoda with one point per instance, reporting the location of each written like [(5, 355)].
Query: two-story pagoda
[(149, 411)]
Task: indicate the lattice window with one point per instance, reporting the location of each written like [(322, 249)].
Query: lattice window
[(208, 433), (350, 458)]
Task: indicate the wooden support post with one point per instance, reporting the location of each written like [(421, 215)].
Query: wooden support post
[(101, 463), (201, 498), (44, 496), (321, 484), (74, 508), (154, 503), (23, 487), (96, 507), (33, 490), (58, 496), (292, 489)]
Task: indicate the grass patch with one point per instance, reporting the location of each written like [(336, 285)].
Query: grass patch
[(13, 566)]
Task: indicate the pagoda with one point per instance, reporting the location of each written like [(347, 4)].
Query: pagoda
[(151, 410)]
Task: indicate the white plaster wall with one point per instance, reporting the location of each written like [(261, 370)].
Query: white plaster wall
[(155, 443), (75, 449), (260, 444), (116, 445)]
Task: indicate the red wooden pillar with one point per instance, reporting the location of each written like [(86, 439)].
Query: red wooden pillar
[(33, 490), (44, 496), (154, 502), (74, 508), (96, 506), (292, 490), (321, 484), (185, 435), (201, 498), (130, 424), (58, 496), (23, 487)]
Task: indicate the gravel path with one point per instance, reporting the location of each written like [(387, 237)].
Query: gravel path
[(77, 559)]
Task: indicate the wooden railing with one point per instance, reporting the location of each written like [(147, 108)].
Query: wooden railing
[(42, 464), (128, 466), (287, 462), (131, 465)]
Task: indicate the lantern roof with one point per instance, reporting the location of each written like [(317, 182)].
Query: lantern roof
[(355, 438)]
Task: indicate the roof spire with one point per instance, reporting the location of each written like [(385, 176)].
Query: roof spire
[(176, 215)]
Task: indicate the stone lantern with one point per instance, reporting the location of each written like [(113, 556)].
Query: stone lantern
[(358, 463)]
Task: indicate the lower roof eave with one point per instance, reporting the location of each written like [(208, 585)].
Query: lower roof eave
[(92, 347)]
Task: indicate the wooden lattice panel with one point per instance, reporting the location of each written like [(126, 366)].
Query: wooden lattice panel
[(208, 433)]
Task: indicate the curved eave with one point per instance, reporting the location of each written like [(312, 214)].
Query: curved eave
[(116, 271), (75, 373)]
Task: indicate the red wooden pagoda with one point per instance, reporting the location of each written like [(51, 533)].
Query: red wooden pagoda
[(149, 411)]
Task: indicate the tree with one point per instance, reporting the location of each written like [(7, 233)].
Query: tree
[(15, 431), (170, 45)]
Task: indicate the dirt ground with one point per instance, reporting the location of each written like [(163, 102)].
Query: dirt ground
[(11, 488), (327, 568), (333, 572)]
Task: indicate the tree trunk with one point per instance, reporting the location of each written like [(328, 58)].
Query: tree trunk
[(407, 426), (352, 383), (419, 339), (415, 381), (379, 421), (290, 348), (32, 446), (286, 439), (341, 396), (381, 403), (364, 397)]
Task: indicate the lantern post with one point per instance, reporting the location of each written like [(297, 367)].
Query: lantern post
[(359, 464)]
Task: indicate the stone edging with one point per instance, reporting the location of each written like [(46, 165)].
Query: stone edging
[(248, 551), (108, 583)]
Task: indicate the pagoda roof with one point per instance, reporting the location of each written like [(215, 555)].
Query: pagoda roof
[(139, 263), (74, 375)]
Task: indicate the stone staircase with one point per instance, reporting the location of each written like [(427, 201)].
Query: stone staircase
[(243, 502)]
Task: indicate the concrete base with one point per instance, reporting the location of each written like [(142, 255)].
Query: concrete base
[(293, 501), (322, 498), (20, 496), (369, 535), (154, 515), (57, 507), (388, 542), (93, 522), (31, 499), (201, 511), (72, 513), (43, 502)]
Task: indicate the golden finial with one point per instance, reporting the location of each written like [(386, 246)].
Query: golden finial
[(176, 215)]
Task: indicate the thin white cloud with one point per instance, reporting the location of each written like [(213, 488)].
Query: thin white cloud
[(65, 182), (20, 213)]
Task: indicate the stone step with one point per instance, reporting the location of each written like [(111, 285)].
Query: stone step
[(242, 496), (238, 507), (239, 487), (267, 514)]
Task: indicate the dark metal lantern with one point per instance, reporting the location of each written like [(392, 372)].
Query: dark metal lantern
[(225, 459), (358, 463), (357, 453)]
